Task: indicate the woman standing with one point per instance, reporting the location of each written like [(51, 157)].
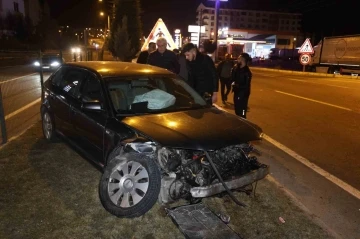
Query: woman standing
[(241, 81)]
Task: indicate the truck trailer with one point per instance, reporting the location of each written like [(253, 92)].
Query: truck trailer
[(337, 55)]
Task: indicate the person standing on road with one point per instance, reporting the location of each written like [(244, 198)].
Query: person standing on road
[(224, 70), (241, 81), (164, 58), (202, 72), (143, 56)]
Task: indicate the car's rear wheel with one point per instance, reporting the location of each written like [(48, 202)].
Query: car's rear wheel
[(130, 185), (48, 126)]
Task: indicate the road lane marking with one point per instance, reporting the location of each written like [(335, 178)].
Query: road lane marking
[(307, 81), (18, 135), (348, 188), (2, 67), (343, 185), (316, 101), (2, 82), (309, 77), (22, 109), (345, 81)]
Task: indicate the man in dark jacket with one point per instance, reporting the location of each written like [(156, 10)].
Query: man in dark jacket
[(202, 72), (164, 58), (224, 70), (241, 78), (143, 56)]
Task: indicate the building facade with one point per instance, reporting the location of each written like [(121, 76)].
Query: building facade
[(251, 31), (11, 6), (30, 8), (248, 19)]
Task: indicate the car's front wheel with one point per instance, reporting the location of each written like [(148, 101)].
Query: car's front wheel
[(130, 185)]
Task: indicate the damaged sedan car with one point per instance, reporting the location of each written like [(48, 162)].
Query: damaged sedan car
[(154, 138)]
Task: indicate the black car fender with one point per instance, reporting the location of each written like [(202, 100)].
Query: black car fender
[(45, 106), (132, 143)]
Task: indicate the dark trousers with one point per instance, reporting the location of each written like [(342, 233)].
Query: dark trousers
[(241, 99), (225, 82)]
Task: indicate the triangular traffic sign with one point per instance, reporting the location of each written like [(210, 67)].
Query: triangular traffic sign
[(306, 47), (159, 30)]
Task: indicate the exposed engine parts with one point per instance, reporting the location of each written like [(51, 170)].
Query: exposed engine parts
[(184, 170)]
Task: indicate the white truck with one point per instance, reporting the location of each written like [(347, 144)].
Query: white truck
[(337, 55)]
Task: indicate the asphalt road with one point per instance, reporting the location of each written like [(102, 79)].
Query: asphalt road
[(21, 91), (316, 117)]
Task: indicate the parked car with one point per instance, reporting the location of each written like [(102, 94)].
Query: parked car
[(153, 136), (50, 62)]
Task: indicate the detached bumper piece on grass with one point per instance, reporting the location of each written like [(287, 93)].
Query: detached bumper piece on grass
[(196, 221)]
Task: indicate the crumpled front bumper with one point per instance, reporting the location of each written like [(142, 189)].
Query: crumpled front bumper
[(238, 182)]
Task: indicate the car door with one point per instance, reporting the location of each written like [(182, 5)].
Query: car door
[(61, 96), (90, 125)]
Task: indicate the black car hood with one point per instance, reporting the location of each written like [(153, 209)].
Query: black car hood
[(203, 129)]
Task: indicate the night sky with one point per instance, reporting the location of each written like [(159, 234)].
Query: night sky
[(327, 17)]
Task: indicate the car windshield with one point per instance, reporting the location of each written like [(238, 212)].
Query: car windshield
[(155, 94)]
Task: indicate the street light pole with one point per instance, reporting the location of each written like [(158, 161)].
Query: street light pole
[(60, 44), (217, 9), (200, 23), (107, 26)]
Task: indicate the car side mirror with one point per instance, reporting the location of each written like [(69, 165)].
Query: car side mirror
[(94, 105)]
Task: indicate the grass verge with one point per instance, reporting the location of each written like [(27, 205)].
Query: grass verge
[(49, 191)]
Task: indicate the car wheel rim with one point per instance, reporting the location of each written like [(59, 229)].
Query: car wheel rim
[(128, 184), (47, 125)]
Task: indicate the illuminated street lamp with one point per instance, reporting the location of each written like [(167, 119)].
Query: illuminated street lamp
[(294, 42), (102, 14)]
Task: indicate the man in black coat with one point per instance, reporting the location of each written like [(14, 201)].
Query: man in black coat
[(203, 76), (143, 56), (164, 58), (241, 77)]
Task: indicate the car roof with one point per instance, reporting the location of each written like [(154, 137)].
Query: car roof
[(117, 68)]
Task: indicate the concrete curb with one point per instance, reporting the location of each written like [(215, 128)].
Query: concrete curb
[(305, 73), (311, 216)]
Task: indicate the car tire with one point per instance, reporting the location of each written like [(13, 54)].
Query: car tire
[(48, 126), (130, 185)]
